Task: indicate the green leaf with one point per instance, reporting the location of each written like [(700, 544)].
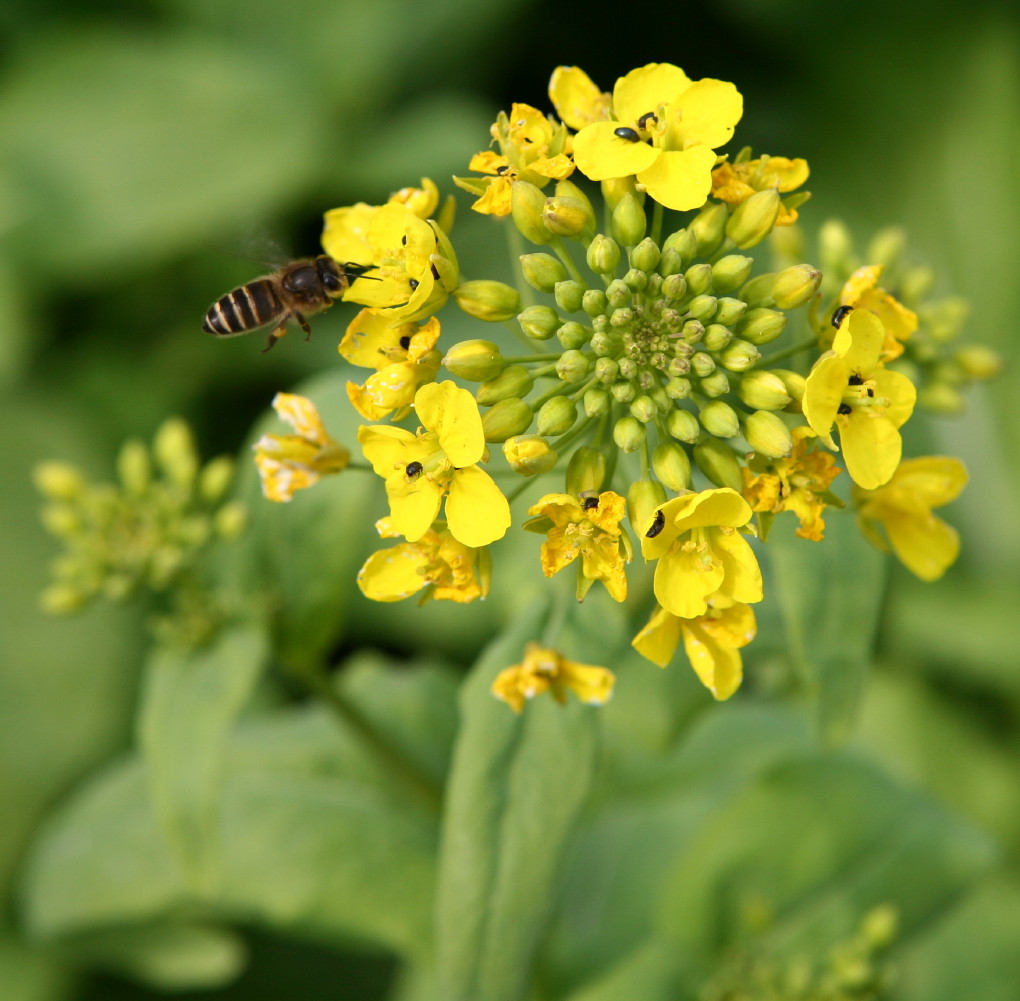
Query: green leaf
[(517, 785), (30, 974), (652, 972), (190, 702), (830, 595)]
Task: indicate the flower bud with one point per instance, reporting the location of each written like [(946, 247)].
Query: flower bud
[(573, 366), (618, 294), (716, 384), (644, 409), (629, 434), (174, 449), (740, 356), (699, 278), (752, 220), (678, 388), (475, 360), (623, 392), (62, 599), (940, 398), (702, 364), (556, 416), (569, 217), (683, 426), (231, 520), (635, 280), (539, 322), (646, 255), (796, 286), (693, 331), (215, 479), (729, 311), (674, 287), (616, 188), (719, 463), (62, 520), (684, 243), (601, 343), (760, 325), (607, 370), (572, 335), (716, 336), (730, 272), (672, 465), (709, 227), (793, 383), (603, 255), (837, 247), (134, 468), (529, 454), (670, 263), (720, 419), (586, 470), (488, 300), (643, 497), (768, 435), (886, 246), (595, 402), (628, 221), (594, 302), (569, 295), (763, 390), (542, 271), (58, 480), (702, 307), (916, 283), (506, 418), (622, 317), (758, 291), (978, 361), (514, 380), (527, 204)]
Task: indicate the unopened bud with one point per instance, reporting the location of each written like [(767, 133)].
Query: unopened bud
[(488, 300), (646, 255), (569, 217), (836, 246), (684, 243), (716, 384), (699, 278), (569, 295), (505, 419), (527, 203), (514, 380), (573, 366), (940, 398), (763, 390), (58, 480), (709, 227), (616, 188), (134, 469), (595, 402), (628, 221), (529, 454), (683, 426), (594, 302), (793, 383), (730, 272), (62, 599), (678, 388), (768, 435), (643, 497), (672, 465), (978, 361), (556, 416), (644, 409), (621, 317), (702, 307), (603, 255), (752, 220), (720, 419), (629, 434), (702, 364), (716, 336), (174, 449), (729, 311), (740, 356), (539, 322), (623, 392), (760, 326), (674, 287), (231, 520), (572, 335), (215, 479), (719, 463), (796, 286), (586, 470), (635, 280), (475, 360), (887, 246), (758, 291), (542, 271)]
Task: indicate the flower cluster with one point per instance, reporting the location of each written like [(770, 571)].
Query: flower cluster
[(648, 374)]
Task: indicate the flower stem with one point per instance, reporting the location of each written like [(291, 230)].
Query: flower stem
[(787, 352)]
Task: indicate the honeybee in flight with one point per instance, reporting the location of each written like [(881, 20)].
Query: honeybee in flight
[(299, 288)]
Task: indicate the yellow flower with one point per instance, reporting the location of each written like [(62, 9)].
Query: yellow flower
[(404, 358), (588, 527), (422, 201), (545, 670), (532, 148), (439, 461), (702, 557), (861, 291), (450, 570), (712, 642), (734, 183), (413, 263), (577, 100), (292, 462), (797, 483), (663, 129), (849, 387), (924, 544)]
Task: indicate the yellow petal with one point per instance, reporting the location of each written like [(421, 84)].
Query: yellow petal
[(577, 100), (476, 511), (718, 665), (680, 179), (823, 393), (740, 565), (646, 89), (899, 391), (392, 574), (925, 544), (300, 413), (372, 340), (708, 111), (719, 506), (414, 505), (859, 340), (600, 154), (659, 639), (683, 582), (389, 448), (871, 449), (932, 480), (452, 413)]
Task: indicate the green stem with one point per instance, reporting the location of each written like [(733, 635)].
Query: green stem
[(515, 245), (566, 260), (794, 349), (657, 217), (570, 437), (558, 615), (526, 359)]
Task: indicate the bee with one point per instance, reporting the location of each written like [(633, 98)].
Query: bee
[(299, 288)]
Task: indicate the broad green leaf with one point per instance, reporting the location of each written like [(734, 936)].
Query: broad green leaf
[(516, 788), (652, 972), (830, 594), (190, 702)]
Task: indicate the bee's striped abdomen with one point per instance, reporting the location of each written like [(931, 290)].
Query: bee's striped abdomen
[(244, 309)]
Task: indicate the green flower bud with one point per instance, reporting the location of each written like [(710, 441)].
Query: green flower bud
[(556, 416), (753, 219), (475, 360), (62, 599), (529, 454), (730, 272), (595, 402), (539, 322), (215, 479), (768, 435), (643, 497), (837, 247), (622, 317), (527, 204), (719, 463), (514, 380), (716, 384), (573, 366), (716, 336), (569, 217), (644, 409), (174, 449), (674, 287), (940, 398), (61, 520), (887, 246), (505, 419), (586, 471), (796, 286), (542, 271), (607, 370), (601, 343), (58, 480), (672, 465), (645, 255), (623, 392), (709, 227), (720, 419), (729, 311), (628, 368), (977, 361), (764, 390), (134, 469), (573, 334), (670, 263), (567, 189), (760, 325), (616, 188), (569, 295), (793, 383), (488, 300), (693, 331), (683, 426), (628, 221), (231, 520), (629, 434), (702, 364), (618, 294), (702, 307), (916, 283), (678, 388), (699, 278), (684, 242), (603, 255), (758, 291), (594, 302), (740, 356), (635, 280), (880, 926)]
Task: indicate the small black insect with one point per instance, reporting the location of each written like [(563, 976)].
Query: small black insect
[(657, 526), (840, 315), (590, 503), (625, 132), (414, 470)]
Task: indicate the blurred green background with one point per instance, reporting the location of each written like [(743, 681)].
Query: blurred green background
[(144, 145)]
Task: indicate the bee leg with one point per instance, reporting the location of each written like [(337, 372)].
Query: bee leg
[(304, 326), (274, 335)]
